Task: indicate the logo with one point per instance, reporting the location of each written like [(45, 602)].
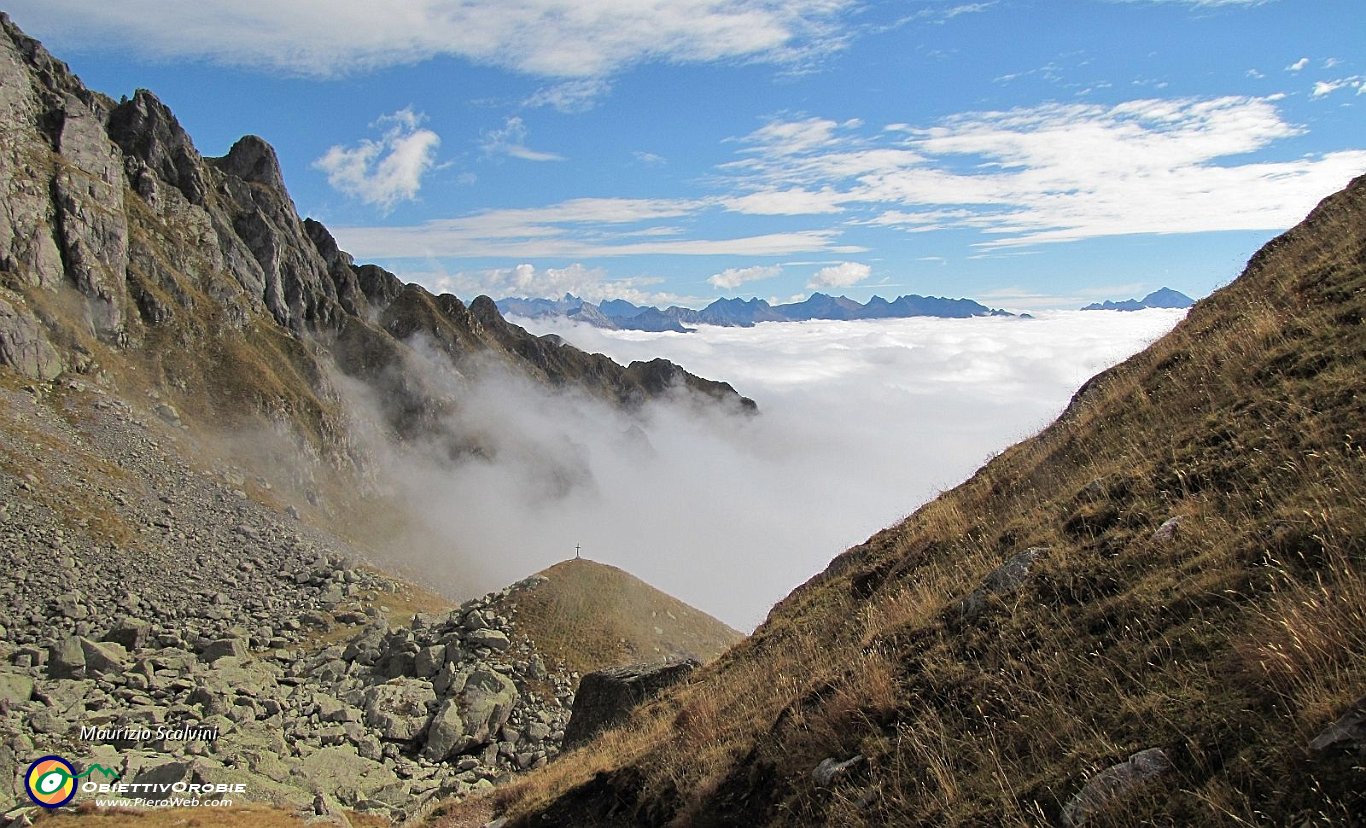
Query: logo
[(51, 781)]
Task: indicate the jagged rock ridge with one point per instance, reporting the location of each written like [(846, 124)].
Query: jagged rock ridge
[(120, 241)]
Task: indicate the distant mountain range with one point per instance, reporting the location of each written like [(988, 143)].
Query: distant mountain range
[(742, 313), (1160, 298)]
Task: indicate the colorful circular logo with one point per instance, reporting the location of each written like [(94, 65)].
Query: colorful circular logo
[(51, 781)]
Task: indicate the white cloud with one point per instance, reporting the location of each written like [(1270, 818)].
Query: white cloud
[(1298, 65), (732, 277), (580, 228), (527, 280), (843, 274), (860, 423), (790, 202), (556, 38), (1060, 172), (570, 97), (1324, 88), (649, 159), (511, 141), (385, 171)]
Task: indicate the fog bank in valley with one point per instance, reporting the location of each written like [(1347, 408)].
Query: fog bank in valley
[(860, 423)]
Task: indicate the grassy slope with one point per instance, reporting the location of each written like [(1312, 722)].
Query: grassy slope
[(1230, 647), (589, 615)]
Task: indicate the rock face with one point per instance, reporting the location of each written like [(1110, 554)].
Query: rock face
[(130, 237), (607, 697)]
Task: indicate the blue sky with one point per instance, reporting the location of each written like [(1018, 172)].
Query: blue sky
[(1026, 153)]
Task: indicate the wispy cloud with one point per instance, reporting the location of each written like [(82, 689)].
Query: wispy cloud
[(511, 141), (1057, 172), (582, 228), (552, 38), (1324, 88), (387, 170), (732, 277), (585, 282), (1298, 65), (570, 97)]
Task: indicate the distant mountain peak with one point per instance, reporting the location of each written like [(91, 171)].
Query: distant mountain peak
[(1163, 297), (744, 313)]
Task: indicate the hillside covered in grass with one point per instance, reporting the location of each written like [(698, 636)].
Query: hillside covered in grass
[(1178, 564), (588, 615)]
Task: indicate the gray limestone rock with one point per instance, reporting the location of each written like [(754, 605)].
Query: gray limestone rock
[(66, 659), (1114, 783), (24, 345), (446, 734), (1003, 580), (1347, 734), (607, 697), (485, 703), (400, 708)]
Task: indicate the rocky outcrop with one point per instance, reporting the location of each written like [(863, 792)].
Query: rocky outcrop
[(607, 697), (23, 341)]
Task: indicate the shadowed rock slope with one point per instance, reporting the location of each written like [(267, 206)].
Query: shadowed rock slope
[(586, 616), (1154, 612)]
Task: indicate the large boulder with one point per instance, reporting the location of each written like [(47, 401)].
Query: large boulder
[(1347, 734), (103, 659), (607, 697), (400, 708), (446, 734), (485, 703), (66, 659)]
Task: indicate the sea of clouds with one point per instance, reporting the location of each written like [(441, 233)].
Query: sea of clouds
[(860, 423)]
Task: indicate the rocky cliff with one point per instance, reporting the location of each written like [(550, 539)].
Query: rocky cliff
[(123, 250)]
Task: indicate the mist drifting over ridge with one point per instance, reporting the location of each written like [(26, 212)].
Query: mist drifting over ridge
[(860, 423)]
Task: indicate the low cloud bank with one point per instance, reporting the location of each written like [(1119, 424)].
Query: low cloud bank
[(860, 423)]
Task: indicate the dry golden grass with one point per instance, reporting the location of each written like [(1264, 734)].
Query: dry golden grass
[(1228, 646), (589, 615)]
